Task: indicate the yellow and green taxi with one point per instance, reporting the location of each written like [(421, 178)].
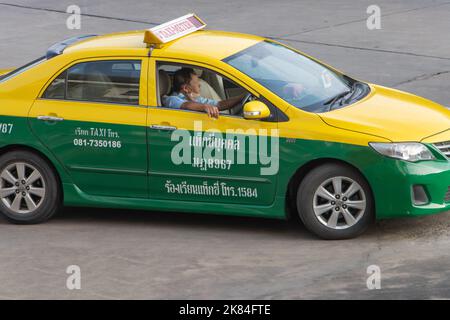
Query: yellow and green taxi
[(85, 125)]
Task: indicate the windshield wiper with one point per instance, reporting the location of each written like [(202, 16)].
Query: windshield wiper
[(354, 90), (333, 100)]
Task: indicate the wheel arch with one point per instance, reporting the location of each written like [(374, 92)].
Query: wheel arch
[(298, 176), (20, 147)]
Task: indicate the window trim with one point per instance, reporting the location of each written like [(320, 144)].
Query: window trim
[(143, 80), (96, 102), (12, 74)]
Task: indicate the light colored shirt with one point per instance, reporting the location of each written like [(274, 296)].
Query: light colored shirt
[(176, 100)]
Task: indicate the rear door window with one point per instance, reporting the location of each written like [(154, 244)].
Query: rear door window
[(99, 81)]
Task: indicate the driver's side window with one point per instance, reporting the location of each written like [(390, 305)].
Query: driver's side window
[(213, 86)]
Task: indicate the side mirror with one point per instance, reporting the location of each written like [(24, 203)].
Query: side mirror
[(254, 110)]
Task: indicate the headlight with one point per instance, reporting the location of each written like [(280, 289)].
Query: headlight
[(409, 151)]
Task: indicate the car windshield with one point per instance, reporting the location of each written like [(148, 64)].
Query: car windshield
[(17, 71), (300, 81)]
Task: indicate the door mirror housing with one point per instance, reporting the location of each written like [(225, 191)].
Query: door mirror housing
[(255, 110)]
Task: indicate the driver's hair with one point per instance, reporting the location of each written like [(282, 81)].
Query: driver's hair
[(182, 77)]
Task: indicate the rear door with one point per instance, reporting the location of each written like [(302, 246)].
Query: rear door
[(92, 117)]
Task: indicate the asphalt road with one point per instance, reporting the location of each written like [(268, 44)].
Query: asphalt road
[(151, 255)]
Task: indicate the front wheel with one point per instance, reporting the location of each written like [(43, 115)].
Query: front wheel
[(335, 202), (29, 189)]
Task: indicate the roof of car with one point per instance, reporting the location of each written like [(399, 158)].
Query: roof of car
[(200, 44)]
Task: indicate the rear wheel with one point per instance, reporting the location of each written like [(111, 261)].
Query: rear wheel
[(29, 188), (335, 202)]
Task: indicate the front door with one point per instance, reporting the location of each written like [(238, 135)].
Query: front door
[(196, 158)]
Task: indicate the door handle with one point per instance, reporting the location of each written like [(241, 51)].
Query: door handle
[(161, 127), (49, 118)]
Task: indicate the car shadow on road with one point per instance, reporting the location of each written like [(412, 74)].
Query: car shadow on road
[(290, 229), (177, 220), (427, 227)]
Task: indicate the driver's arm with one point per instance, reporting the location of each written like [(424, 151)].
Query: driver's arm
[(230, 103), (211, 110)]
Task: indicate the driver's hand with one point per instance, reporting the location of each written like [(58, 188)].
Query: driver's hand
[(211, 110), (293, 90)]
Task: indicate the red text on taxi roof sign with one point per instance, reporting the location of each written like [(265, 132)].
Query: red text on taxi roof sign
[(174, 29)]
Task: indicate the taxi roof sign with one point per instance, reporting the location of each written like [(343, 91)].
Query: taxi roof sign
[(174, 29)]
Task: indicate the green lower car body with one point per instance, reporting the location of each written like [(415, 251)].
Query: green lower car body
[(142, 177)]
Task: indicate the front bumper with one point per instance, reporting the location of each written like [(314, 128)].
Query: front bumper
[(392, 184)]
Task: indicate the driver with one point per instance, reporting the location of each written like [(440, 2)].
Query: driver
[(186, 95)]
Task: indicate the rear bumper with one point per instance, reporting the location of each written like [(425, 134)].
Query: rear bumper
[(392, 183)]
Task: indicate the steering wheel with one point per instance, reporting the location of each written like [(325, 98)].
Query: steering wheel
[(238, 109)]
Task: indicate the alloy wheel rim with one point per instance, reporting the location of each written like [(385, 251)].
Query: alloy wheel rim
[(22, 187), (339, 203)]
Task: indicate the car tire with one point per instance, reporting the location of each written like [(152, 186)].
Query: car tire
[(335, 202), (30, 192)]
